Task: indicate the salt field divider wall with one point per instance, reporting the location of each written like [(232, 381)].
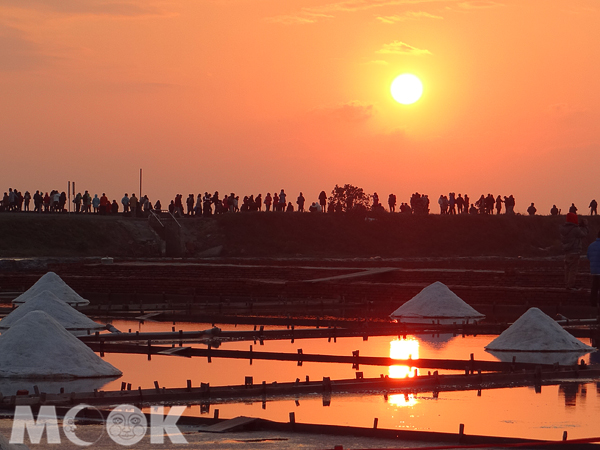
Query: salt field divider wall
[(355, 359), (206, 394)]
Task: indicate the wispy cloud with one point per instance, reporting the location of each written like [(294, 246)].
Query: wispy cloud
[(479, 4), (327, 11), (401, 48), (408, 15), (299, 19)]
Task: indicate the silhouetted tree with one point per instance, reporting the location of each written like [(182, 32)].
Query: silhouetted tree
[(350, 197)]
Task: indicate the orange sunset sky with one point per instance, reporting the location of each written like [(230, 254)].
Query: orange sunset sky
[(255, 96)]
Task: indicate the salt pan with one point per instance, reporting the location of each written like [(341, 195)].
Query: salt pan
[(53, 283), (37, 346), (64, 314), (535, 331), (436, 301)]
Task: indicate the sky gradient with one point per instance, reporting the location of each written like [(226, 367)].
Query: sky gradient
[(252, 96)]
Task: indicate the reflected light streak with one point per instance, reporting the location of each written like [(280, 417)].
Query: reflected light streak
[(403, 349)]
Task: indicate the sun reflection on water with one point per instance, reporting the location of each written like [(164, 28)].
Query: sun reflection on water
[(402, 400), (403, 349)]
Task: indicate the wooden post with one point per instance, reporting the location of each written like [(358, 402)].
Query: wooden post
[(461, 432), (216, 414), (292, 418), (375, 421)]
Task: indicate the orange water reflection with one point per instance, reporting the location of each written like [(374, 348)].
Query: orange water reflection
[(517, 412), (403, 349)]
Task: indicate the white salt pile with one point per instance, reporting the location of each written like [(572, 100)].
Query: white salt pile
[(37, 346), (535, 331), (53, 283), (436, 301), (64, 314)]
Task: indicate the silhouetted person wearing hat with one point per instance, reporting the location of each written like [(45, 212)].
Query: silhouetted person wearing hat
[(572, 233)]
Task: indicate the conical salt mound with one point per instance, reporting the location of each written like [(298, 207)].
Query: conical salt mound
[(53, 283), (64, 314), (37, 346), (535, 331), (436, 301)]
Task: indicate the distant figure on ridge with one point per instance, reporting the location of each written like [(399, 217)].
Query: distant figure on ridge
[(593, 208), (554, 211), (498, 205), (392, 202), (323, 200), (300, 201), (573, 208), (532, 209)]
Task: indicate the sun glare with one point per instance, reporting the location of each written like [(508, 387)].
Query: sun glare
[(406, 88)]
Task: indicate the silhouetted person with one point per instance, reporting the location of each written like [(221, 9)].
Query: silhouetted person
[(509, 204), (189, 202), (532, 209), (323, 200), (268, 201), (392, 202), (554, 210), (572, 233), (290, 207), (593, 254), (300, 201), (498, 204), (460, 203), (593, 208), (258, 202), (573, 208)]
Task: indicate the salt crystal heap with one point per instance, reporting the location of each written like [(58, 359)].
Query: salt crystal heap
[(37, 346), (535, 331), (436, 302), (53, 283), (64, 314)]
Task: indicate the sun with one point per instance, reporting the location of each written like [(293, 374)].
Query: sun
[(406, 88)]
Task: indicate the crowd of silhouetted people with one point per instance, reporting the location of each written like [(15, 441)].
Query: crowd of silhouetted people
[(205, 205)]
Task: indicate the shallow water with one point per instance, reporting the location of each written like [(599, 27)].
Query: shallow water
[(517, 412)]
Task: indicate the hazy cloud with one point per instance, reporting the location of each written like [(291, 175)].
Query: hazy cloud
[(353, 111), (117, 8), (479, 4), (17, 52), (379, 62), (401, 48), (408, 15)]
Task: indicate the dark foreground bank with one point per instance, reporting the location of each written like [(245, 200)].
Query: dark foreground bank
[(282, 235)]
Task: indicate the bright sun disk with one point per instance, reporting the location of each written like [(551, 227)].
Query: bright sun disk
[(406, 88)]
